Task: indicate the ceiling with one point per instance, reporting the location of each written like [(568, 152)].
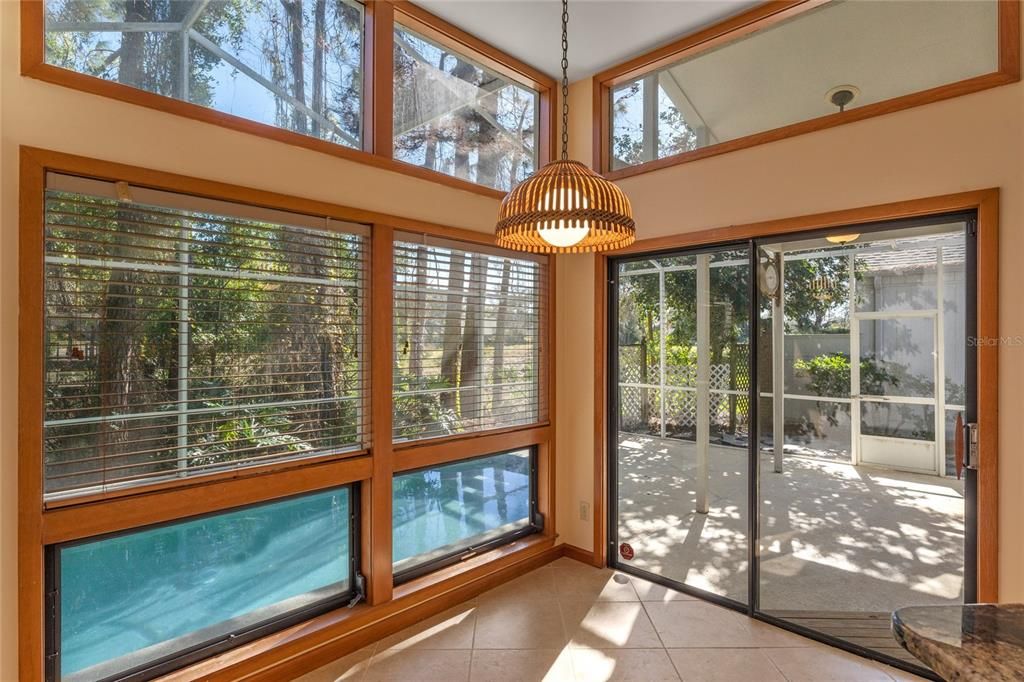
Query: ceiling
[(602, 33), (885, 49)]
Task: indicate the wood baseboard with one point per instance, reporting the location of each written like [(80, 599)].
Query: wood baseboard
[(582, 555)]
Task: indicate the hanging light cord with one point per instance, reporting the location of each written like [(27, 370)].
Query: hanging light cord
[(565, 80)]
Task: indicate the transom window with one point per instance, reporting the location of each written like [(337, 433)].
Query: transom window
[(768, 73), (458, 108), (295, 65), (457, 117)]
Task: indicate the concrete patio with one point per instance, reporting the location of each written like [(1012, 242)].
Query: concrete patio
[(835, 537)]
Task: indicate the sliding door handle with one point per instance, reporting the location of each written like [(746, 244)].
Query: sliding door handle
[(958, 444)]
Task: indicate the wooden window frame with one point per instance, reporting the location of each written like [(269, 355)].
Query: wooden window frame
[(378, 58), (986, 203), (758, 18), (326, 636)]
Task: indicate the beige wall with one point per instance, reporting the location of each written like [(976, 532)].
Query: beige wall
[(44, 115), (972, 142)]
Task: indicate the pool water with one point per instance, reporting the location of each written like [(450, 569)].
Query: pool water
[(123, 594), (130, 599)]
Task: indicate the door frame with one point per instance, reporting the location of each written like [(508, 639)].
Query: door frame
[(985, 203)]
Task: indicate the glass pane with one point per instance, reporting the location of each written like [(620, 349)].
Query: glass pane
[(458, 118), (639, 330), (897, 420), (787, 72), (130, 599), (896, 278), (954, 311), (682, 457), (628, 126), (444, 510), (468, 333), (812, 428), (858, 516), (179, 343), (951, 435), (898, 357), (640, 411), (296, 66)]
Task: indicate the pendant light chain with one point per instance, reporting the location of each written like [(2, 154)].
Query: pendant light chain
[(565, 80)]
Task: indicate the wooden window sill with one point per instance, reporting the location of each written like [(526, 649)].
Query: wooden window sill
[(434, 451)]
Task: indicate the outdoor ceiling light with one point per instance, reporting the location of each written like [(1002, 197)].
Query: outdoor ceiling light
[(565, 207), (841, 238)]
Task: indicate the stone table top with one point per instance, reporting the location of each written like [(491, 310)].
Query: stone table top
[(970, 642)]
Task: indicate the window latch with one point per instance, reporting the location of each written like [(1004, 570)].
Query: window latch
[(359, 582)]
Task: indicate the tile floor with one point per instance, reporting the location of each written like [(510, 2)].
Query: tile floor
[(571, 622)]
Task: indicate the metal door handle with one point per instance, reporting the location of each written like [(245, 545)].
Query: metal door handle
[(958, 449)]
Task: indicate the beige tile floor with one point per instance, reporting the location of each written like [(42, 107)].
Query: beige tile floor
[(571, 622)]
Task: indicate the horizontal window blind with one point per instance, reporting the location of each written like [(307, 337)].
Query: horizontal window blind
[(180, 342), (469, 338)]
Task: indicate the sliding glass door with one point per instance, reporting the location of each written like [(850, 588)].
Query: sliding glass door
[(850, 500), (681, 429)]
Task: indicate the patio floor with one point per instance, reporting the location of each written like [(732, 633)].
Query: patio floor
[(835, 537)]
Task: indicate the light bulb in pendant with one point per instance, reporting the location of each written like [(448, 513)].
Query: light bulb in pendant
[(563, 233)]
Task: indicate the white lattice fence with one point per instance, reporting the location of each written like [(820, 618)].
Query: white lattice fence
[(728, 409)]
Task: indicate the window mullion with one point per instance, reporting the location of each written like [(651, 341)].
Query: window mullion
[(379, 107), (377, 546)]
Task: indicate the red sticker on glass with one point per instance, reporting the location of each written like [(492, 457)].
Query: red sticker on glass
[(626, 550)]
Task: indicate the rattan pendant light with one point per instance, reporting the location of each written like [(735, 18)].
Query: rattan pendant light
[(565, 207)]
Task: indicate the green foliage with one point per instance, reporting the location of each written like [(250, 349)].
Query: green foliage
[(258, 348), (810, 308), (829, 374), (260, 33)]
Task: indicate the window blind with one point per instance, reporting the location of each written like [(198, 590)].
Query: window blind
[(180, 342), (469, 338)]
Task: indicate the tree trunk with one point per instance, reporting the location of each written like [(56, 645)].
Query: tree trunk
[(116, 356), (485, 141), (418, 315), (131, 68), (319, 44), (430, 140), (454, 311), (293, 10), (464, 123), (497, 394), (117, 338), (470, 396)]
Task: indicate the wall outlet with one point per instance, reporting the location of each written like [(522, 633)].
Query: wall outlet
[(584, 511)]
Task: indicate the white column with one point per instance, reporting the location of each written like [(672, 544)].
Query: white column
[(854, 363), (662, 329), (940, 366), (703, 378), (778, 368)]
